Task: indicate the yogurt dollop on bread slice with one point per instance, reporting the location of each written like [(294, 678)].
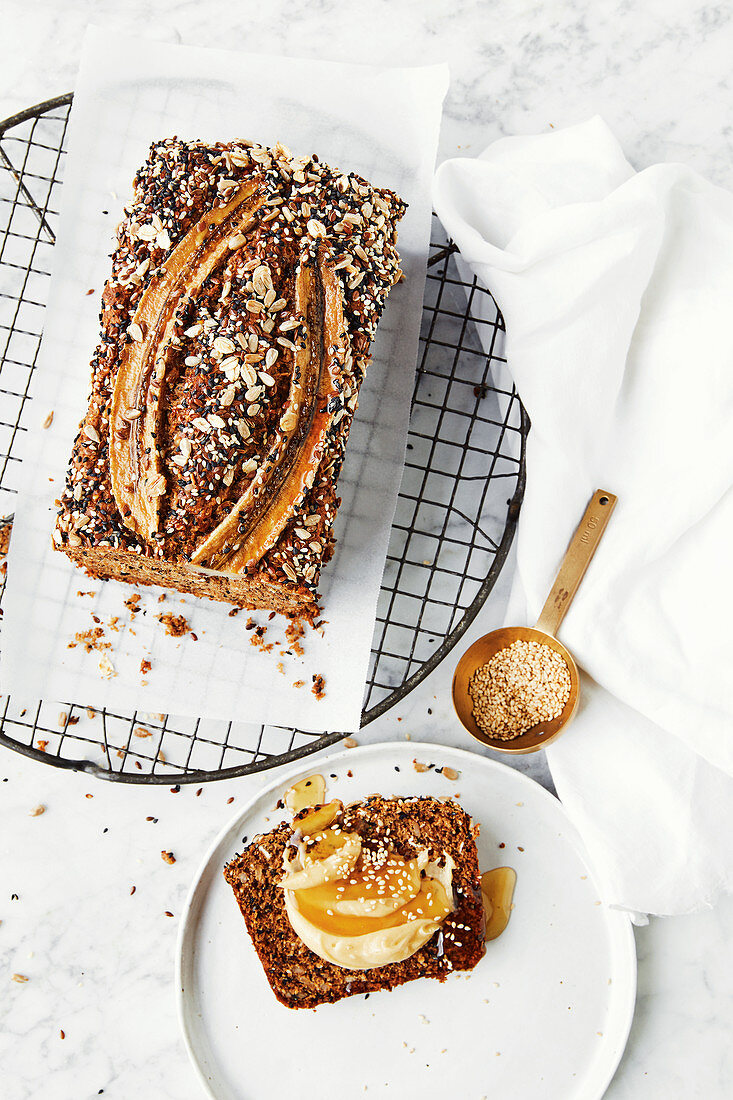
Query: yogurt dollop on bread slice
[(359, 906)]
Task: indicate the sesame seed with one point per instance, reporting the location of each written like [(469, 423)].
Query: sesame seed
[(520, 686)]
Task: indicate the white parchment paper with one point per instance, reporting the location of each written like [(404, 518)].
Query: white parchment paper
[(382, 123)]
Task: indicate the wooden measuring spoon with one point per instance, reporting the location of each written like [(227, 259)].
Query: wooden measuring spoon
[(582, 548)]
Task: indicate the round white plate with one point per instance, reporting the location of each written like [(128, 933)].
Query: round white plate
[(545, 1014)]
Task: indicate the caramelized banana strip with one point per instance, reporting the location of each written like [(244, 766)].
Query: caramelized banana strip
[(257, 520), (138, 479)]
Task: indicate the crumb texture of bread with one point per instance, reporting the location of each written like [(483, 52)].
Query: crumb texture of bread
[(301, 979), (225, 376)]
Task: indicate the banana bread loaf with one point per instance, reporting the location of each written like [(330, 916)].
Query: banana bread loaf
[(246, 288)]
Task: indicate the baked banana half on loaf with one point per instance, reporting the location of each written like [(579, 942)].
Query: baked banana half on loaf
[(246, 288)]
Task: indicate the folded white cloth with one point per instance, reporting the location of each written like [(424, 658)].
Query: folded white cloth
[(617, 292)]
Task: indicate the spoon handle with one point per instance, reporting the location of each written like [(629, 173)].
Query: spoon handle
[(577, 559)]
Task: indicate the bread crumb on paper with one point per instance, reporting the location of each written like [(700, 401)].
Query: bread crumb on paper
[(175, 625)]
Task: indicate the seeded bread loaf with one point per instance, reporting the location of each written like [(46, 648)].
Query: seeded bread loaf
[(246, 288), (301, 979)]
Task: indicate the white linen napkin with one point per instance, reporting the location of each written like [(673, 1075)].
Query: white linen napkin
[(617, 292)]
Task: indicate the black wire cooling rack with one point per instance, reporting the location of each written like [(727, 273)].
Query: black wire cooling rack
[(456, 513)]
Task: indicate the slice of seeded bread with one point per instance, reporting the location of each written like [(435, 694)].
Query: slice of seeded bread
[(298, 977)]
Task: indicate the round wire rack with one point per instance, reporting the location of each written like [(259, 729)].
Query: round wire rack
[(456, 513)]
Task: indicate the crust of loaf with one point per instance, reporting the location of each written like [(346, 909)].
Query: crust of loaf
[(252, 590)]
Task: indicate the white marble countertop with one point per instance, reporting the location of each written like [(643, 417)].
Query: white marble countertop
[(98, 957)]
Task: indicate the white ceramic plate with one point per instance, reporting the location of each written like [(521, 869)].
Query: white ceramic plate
[(546, 1013)]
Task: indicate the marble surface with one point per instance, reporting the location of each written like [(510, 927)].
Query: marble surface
[(99, 957)]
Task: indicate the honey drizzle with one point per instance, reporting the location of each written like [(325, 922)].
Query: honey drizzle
[(430, 902), (497, 891), (309, 791)]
